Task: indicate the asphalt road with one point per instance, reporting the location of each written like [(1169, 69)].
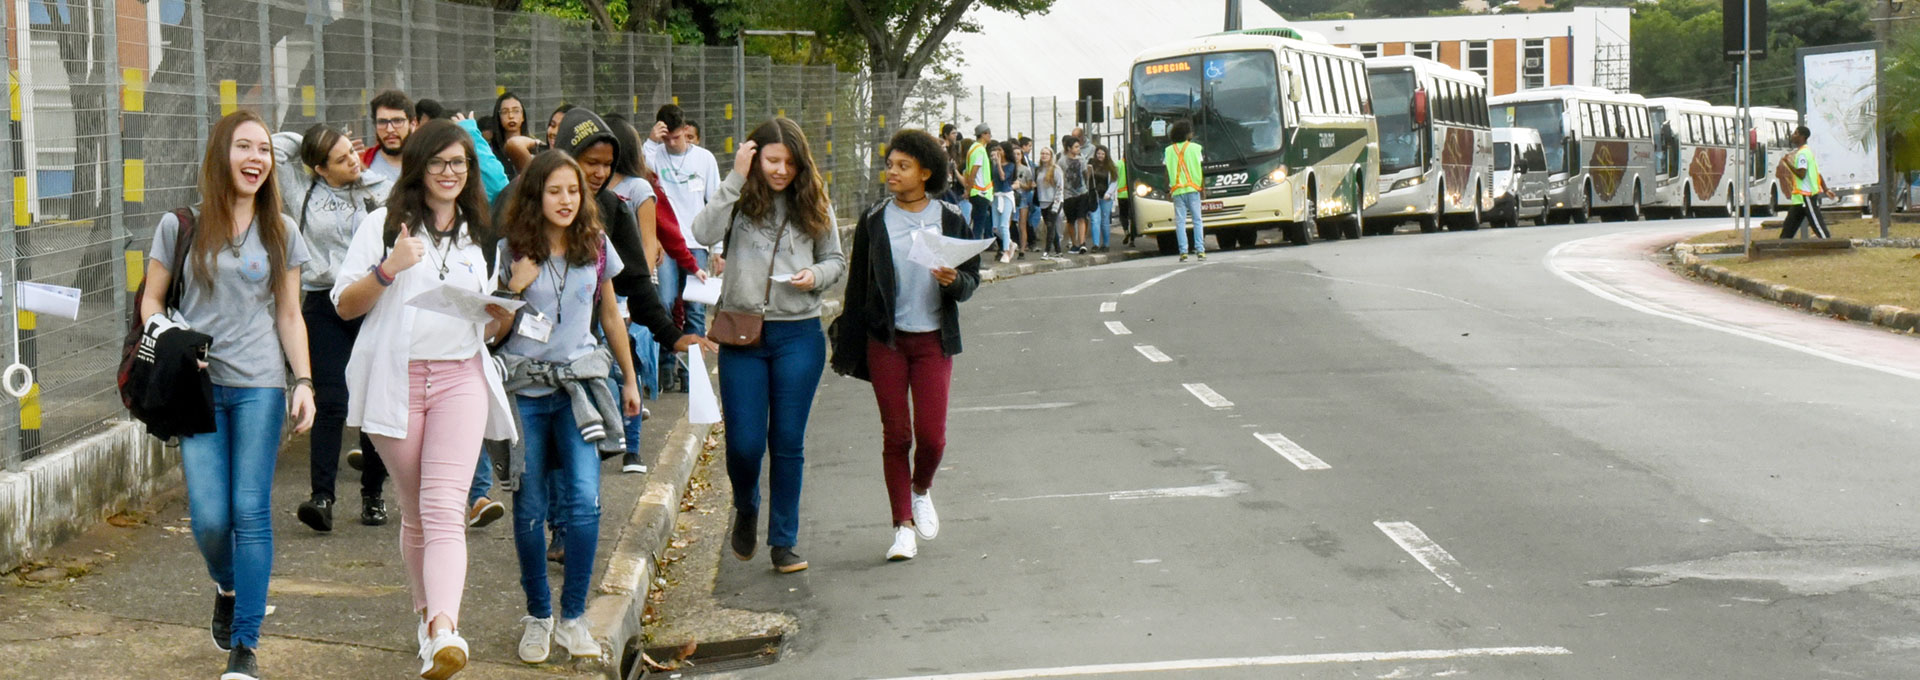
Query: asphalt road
[(1485, 454)]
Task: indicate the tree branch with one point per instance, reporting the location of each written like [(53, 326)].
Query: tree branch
[(950, 18), (598, 8), (897, 52), (876, 40)]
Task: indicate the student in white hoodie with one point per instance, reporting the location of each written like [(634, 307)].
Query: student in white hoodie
[(689, 176), (328, 193), (421, 383)]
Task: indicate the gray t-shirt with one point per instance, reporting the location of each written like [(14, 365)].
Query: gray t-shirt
[(564, 295), (239, 312), (383, 166), (1075, 170), (916, 305)]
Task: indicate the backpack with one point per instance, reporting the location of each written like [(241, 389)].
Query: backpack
[(129, 348)]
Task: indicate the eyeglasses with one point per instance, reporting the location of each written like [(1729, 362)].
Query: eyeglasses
[(389, 122), (442, 166)]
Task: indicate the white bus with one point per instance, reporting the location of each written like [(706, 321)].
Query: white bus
[(1286, 125), (1696, 159), (1599, 146), (1772, 141), (1436, 147)]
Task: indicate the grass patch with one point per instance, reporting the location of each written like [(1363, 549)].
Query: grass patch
[(1876, 276), (1842, 228)]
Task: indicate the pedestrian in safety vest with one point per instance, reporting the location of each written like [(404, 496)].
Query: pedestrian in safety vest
[(1123, 208), (1802, 172), (979, 182), (1183, 183)]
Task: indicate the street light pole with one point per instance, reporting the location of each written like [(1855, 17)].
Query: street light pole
[(1881, 31)]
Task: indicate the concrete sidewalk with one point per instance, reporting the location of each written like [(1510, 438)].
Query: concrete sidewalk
[(132, 597)]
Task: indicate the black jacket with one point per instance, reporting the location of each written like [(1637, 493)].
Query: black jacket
[(871, 290), (174, 396)]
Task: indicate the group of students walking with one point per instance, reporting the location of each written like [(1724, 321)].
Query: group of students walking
[(1058, 202), (338, 242)]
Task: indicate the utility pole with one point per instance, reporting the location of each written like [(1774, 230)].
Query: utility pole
[(1233, 15), (1882, 29)]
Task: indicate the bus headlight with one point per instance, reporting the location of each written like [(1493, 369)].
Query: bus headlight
[(1408, 182), (1142, 190), (1273, 179)]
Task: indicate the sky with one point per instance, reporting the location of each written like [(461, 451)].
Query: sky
[(1047, 54)]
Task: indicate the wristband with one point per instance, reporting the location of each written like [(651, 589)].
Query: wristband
[(381, 276), (303, 380)]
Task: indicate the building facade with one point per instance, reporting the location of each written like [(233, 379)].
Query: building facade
[(1514, 52)]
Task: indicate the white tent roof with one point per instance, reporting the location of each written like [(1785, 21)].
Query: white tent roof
[(1044, 55)]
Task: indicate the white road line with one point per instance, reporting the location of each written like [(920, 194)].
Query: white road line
[(1152, 354), (1118, 328), (1108, 307), (1291, 451), (1149, 282), (1014, 407), (1221, 487), (1207, 396), (1428, 553), (1250, 662)]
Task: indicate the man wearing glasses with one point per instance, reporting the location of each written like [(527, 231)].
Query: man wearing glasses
[(392, 122)]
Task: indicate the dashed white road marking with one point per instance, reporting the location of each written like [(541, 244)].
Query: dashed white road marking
[(1423, 549), (1294, 453), (1152, 354), (1149, 282), (1221, 487), (1108, 307), (1207, 396), (1043, 406), (1250, 662), (1118, 328)]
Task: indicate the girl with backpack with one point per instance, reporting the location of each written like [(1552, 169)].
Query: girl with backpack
[(242, 256), (420, 383)]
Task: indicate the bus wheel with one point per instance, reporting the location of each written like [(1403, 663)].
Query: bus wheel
[(1635, 213), (1584, 213), (1354, 226), (1167, 242), (1226, 239), (1299, 233), (1428, 223), (1686, 203), (1471, 221)]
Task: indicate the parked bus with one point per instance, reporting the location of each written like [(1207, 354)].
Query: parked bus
[(1696, 159), (1286, 126), (1436, 147), (1772, 141), (1598, 144)]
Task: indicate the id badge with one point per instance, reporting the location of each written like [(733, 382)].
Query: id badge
[(534, 327), (697, 184)]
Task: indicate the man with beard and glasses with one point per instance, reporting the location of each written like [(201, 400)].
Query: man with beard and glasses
[(393, 116)]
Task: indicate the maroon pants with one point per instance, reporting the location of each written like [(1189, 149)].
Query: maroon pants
[(914, 367)]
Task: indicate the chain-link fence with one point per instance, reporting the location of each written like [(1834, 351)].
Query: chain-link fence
[(112, 102)]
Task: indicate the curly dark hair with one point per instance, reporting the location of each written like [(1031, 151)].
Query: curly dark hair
[(807, 204), (390, 99), (924, 149), (524, 223)]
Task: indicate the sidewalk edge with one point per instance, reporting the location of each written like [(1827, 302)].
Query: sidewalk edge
[(614, 612), (1891, 317)]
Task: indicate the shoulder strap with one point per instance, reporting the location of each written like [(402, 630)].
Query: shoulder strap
[(182, 245), (306, 203)]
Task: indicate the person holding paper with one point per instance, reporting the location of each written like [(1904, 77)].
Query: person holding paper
[(689, 179), (901, 328), (420, 383), (774, 208), (242, 256)]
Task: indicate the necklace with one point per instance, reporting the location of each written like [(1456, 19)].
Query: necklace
[(556, 269), (234, 246), (445, 241)]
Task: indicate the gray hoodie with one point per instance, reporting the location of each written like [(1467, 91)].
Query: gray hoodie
[(325, 215), (751, 258)]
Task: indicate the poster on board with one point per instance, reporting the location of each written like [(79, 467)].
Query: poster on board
[(1838, 86)]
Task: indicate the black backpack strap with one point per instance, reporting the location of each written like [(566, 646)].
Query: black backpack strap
[(182, 246)]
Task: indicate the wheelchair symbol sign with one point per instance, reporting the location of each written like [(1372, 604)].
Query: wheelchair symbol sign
[(1216, 69)]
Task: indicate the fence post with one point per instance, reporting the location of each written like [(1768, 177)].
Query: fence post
[(633, 89), (114, 197), (269, 96), (319, 67), (366, 49), (203, 118), (10, 453), (739, 91)]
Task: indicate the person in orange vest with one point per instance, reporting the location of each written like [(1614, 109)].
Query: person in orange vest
[(1183, 184)]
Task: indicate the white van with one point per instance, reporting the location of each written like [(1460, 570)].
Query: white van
[(1519, 177)]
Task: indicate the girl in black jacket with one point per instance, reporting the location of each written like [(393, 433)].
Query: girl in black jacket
[(901, 328)]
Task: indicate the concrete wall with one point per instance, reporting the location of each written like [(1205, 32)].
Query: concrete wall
[(58, 495)]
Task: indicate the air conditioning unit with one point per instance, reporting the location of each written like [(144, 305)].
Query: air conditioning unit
[(1533, 62)]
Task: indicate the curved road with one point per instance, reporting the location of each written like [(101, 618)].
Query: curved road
[(1502, 454)]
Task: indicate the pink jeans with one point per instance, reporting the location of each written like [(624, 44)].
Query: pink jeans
[(432, 468)]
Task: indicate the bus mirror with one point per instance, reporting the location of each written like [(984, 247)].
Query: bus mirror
[(1295, 92), (1419, 108)]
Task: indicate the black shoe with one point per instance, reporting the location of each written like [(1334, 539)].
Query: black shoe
[(786, 561), (222, 628), (373, 511), (630, 464), (745, 535), (240, 665), (356, 458), (317, 513)]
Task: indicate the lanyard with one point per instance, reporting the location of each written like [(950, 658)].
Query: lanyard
[(557, 277)]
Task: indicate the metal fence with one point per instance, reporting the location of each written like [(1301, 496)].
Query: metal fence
[(111, 103)]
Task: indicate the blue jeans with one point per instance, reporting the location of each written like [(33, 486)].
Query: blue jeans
[(673, 279), (482, 477), (553, 439), (981, 208), (1003, 214), (229, 475), (1187, 207), (766, 394), (1101, 224)]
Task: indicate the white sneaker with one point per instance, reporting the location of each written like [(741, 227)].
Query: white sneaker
[(535, 641), (903, 545), (445, 655), (574, 636), (420, 637), (926, 522)]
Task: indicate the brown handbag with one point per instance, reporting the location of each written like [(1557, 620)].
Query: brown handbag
[(737, 328)]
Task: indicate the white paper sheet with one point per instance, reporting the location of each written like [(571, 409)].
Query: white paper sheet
[(702, 407), (704, 292), (461, 303), (932, 249), (46, 298)]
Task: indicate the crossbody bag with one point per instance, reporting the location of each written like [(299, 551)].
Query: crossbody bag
[(740, 328)]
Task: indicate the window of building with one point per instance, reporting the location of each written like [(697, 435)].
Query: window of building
[(1426, 50), (1533, 64), (1369, 51), (1480, 58)]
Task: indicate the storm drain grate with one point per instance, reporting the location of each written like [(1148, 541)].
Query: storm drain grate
[(719, 657)]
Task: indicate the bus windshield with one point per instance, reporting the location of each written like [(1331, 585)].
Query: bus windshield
[(1543, 116), (1232, 98), (1393, 113)]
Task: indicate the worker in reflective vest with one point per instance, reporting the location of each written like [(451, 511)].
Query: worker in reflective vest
[(1183, 171), (1125, 208)]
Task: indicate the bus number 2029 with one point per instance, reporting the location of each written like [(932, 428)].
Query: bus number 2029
[(1230, 179)]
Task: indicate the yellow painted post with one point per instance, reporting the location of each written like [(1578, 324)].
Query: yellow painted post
[(829, 117), (136, 269), (30, 404), (676, 100), (781, 112), (21, 217), (729, 110), (133, 92), (309, 104), (13, 97), (729, 145), (229, 97), (135, 180)]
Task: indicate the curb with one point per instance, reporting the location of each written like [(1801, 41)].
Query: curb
[(1891, 317), (614, 611), (1688, 253)]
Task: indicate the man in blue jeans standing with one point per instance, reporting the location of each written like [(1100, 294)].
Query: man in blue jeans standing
[(1182, 160)]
